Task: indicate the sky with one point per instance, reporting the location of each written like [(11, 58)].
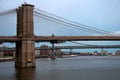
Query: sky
[(97, 13), (101, 14)]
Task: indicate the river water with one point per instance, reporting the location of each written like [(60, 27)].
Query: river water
[(76, 68)]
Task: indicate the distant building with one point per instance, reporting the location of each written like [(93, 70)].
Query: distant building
[(117, 53), (1, 54), (58, 52), (104, 52), (6, 53), (37, 53), (84, 54), (45, 52)]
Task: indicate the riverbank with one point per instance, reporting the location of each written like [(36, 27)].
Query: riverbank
[(6, 59)]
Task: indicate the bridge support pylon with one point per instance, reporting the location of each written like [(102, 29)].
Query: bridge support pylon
[(25, 52)]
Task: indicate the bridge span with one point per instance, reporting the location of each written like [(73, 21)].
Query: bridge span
[(57, 39), (68, 47)]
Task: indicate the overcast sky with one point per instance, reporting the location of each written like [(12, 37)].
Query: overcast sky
[(102, 14)]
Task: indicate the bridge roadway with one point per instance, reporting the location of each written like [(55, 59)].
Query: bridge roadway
[(69, 47), (84, 47), (57, 39)]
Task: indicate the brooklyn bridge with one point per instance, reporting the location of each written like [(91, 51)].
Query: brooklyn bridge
[(25, 38)]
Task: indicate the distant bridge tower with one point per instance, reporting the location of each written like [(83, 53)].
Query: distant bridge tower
[(25, 53)]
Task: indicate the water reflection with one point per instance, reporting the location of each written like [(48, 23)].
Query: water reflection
[(25, 74), (79, 68)]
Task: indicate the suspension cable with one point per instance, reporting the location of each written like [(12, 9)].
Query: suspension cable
[(70, 20), (63, 23), (70, 24), (7, 11), (73, 24), (82, 43)]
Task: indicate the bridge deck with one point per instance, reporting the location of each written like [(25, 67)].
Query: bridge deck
[(60, 38), (69, 47)]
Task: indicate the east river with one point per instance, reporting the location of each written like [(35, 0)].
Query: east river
[(76, 68)]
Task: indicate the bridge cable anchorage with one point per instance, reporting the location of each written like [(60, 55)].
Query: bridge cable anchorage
[(7, 11), (69, 22)]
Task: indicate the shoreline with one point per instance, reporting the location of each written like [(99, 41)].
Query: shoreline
[(7, 59)]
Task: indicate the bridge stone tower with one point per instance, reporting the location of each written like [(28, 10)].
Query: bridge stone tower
[(25, 53)]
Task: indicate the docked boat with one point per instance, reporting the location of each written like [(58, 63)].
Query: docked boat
[(53, 57)]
